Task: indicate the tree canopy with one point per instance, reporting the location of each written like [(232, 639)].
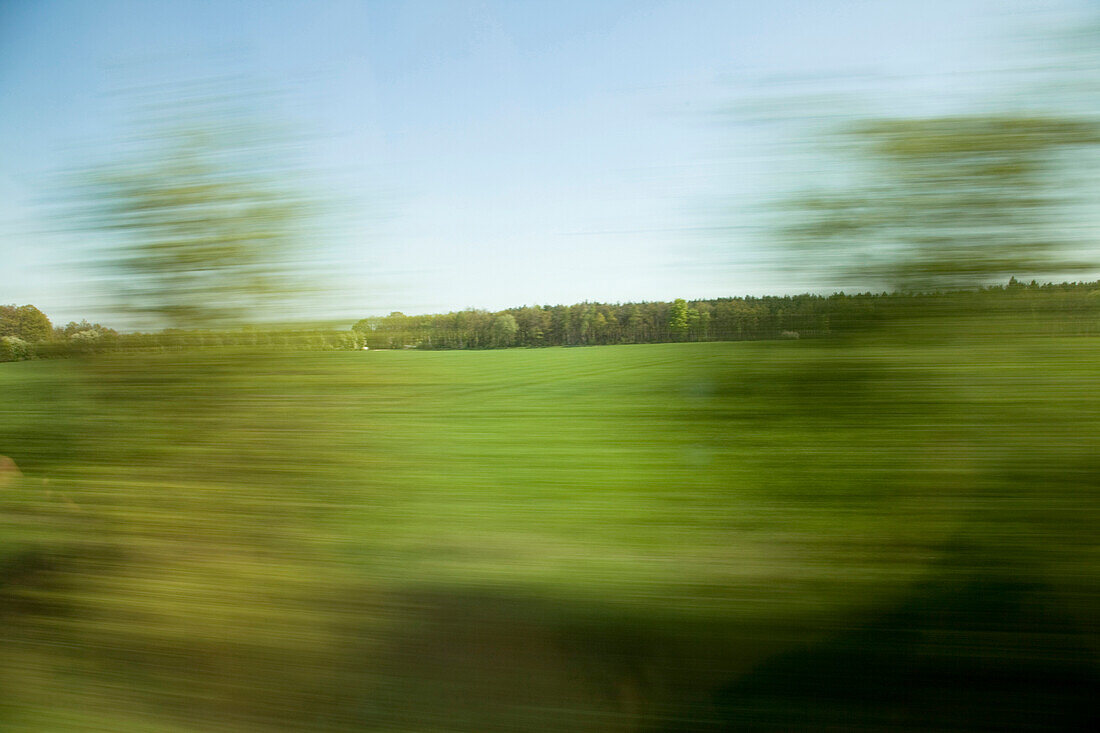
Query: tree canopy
[(24, 322)]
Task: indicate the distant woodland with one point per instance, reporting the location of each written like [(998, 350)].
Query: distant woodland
[(1069, 307), (1072, 308)]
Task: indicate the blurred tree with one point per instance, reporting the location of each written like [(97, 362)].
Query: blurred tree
[(201, 218), (947, 203)]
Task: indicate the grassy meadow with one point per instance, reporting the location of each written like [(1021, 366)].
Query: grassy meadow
[(871, 534)]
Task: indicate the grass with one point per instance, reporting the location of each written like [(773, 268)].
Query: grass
[(607, 538)]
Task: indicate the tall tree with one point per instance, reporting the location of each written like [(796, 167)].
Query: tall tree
[(678, 318), (504, 330)]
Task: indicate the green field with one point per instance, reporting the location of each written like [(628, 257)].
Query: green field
[(711, 536)]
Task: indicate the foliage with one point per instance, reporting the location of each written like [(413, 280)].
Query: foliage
[(1064, 306), (348, 341), (681, 536), (678, 318), (1069, 308), (25, 322), (72, 328), (504, 330), (13, 348), (201, 221), (950, 202)]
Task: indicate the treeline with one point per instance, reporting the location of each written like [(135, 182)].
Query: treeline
[(1071, 307), (584, 324), (26, 333)]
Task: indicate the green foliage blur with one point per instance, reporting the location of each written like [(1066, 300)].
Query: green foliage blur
[(642, 537), (202, 216), (950, 203)]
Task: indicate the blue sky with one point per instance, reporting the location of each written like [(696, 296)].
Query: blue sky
[(491, 154)]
